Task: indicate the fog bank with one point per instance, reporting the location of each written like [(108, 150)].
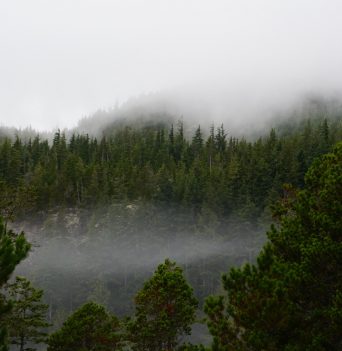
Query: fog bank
[(64, 60)]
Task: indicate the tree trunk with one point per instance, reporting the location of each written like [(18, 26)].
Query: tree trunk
[(22, 342)]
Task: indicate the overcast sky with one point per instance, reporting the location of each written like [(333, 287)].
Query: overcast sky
[(63, 59)]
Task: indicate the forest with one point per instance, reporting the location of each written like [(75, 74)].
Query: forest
[(127, 236), (170, 175)]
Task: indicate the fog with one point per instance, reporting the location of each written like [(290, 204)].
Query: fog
[(246, 120), (116, 255), (223, 60), (106, 254), (83, 64)]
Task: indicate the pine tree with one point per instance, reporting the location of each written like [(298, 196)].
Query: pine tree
[(292, 298), (27, 319), (220, 140), (13, 249), (165, 310), (90, 328), (197, 142)]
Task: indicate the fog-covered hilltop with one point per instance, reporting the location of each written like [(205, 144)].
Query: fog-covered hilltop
[(157, 108), (165, 109), (170, 175)]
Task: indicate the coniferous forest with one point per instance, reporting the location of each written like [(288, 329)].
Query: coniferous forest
[(170, 175), (152, 237), (209, 171)]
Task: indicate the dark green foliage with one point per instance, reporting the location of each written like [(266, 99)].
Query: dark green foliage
[(89, 328), (13, 249), (291, 299), (206, 184), (165, 310), (151, 163), (27, 318), (15, 200)]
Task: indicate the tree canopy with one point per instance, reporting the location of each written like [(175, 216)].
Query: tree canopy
[(27, 319), (90, 327), (165, 310), (13, 249), (292, 298), (157, 163), (155, 180)]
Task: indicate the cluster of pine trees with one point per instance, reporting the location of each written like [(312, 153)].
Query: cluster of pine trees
[(217, 173), (165, 311), (291, 299)]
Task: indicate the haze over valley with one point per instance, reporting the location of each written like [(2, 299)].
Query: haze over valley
[(170, 175)]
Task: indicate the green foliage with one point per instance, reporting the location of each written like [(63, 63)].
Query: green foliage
[(13, 249), (15, 200), (223, 174), (88, 328), (165, 310), (205, 184), (27, 319), (291, 299)]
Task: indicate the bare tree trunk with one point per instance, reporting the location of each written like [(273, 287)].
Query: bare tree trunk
[(22, 342)]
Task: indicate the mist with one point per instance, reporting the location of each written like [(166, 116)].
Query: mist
[(114, 255), (242, 117), (225, 61), (106, 254), (88, 67)]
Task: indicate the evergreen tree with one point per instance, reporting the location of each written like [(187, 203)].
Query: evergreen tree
[(197, 142), (165, 310), (27, 319), (220, 140), (292, 298), (90, 328), (13, 249)]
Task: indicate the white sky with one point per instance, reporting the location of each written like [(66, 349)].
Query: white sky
[(63, 59)]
